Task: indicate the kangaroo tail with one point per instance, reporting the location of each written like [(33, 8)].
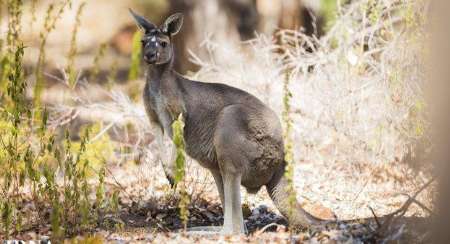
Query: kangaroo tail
[(281, 193)]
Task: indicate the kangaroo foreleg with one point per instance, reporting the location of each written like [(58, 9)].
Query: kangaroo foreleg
[(166, 155), (219, 183)]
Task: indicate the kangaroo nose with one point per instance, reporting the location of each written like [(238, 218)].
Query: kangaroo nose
[(151, 56)]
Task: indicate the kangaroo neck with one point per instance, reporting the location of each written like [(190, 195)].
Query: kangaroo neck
[(161, 77), (162, 84)]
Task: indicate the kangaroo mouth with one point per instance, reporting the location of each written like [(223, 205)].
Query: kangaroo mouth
[(150, 60)]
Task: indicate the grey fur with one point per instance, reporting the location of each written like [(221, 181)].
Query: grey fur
[(227, 130)]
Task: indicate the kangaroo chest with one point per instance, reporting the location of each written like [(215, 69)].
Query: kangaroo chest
[(156, 108), (162, 109)]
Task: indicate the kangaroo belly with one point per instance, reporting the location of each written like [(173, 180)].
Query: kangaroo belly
[(199, 143)]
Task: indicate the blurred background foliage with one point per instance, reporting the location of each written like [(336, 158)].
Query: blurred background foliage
[(108, 22)]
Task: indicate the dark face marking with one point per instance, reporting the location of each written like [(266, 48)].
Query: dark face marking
[(156, 43), (156, 47)]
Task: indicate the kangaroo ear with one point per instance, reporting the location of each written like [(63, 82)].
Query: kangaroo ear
[(142, 23), (173, 24)]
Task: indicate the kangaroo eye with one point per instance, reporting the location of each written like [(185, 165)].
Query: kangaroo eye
[(164, 44)]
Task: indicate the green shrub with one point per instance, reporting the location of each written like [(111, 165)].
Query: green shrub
[(180, 160), (60, 175)]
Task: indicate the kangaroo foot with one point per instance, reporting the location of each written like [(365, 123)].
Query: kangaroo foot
[(228, 230), (212, 230), (204, 230)]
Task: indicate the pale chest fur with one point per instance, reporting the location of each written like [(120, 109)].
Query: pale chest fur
[(156, 108)]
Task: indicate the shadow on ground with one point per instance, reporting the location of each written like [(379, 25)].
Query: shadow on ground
[(163, 217)]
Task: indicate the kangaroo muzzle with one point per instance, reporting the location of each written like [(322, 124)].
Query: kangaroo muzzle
[(151, 57)]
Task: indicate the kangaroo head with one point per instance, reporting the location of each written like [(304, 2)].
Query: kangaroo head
[(157, 45)]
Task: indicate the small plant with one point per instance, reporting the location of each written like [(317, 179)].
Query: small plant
[(12, 40), (73, 47), (288, 146), (373, 8), (112, 75), (96, 65), (178, 139), (96, 150), (14, 8), (12, 147), (49, 25), (33, 11), (58, 174)]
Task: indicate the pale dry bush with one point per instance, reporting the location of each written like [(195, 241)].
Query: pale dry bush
[(355, 96), (357, 103)]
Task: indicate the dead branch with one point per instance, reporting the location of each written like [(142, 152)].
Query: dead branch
[(375, 217), (399, 213), (421, 205)]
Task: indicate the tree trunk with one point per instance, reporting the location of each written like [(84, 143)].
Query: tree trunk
[(439, 101), (202, 20)]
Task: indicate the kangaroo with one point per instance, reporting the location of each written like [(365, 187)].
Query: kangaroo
[(227, 130)]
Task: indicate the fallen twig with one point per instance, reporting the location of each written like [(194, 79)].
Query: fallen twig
[(259, 232), (420, 204), (375, 216), (392, 217)]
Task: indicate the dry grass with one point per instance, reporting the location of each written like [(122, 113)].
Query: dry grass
[(357, 103)]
